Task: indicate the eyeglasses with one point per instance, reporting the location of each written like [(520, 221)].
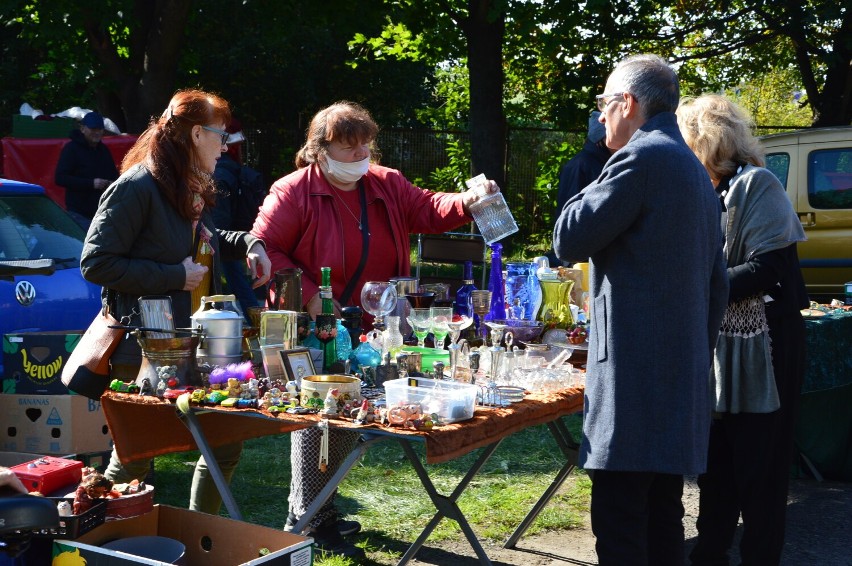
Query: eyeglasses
[(603, 100), (222, 133)]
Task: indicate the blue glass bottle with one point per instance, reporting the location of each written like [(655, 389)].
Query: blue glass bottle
[(464, 301), (496, 286)]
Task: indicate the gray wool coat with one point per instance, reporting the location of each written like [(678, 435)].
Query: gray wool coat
[(651, 226)]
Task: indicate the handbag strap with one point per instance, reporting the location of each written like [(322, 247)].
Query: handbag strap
[(365, 245)]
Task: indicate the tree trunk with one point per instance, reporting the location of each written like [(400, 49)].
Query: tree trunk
[(484, 32), (146, 78)]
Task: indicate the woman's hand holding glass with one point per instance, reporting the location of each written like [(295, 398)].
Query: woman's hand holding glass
[(441, 317)]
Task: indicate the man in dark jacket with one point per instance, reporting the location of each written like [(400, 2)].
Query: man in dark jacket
[(85, 168), (658, 290)]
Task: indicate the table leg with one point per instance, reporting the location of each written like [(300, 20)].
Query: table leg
[(446, 506), (569, 447), (364, 443), (191, 422)]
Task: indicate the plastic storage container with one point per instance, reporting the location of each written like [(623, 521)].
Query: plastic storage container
[(452, 401)]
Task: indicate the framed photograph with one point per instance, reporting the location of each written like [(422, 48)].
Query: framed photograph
[(297, 363), (272, 364)]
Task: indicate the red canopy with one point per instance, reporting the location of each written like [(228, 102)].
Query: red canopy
[(34, 160)]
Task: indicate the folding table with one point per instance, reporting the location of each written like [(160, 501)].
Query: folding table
[(206, 427)]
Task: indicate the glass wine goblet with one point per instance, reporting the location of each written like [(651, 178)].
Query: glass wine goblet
[(421, 322), (456, 325), (441, 317), (496, 329), (379, 299), (481, 299)]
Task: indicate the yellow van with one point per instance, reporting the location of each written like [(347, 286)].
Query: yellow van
[(815, 165)]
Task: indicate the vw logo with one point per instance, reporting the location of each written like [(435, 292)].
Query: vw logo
[(25, 293)]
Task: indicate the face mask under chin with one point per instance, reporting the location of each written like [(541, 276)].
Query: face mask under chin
[(347, 172)]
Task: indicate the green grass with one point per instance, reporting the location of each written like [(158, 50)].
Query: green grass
[(383, 492)]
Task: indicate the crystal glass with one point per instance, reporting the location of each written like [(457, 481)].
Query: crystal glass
[(456, 325), (441, 318), (378, 298), (421, 322), (496, 329), (481, 299)]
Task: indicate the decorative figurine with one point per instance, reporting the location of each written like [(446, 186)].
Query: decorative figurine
[(233, 387), (92, 486), (363, 413), (330, 403), (254, 388), (292, 388), (147, 388)]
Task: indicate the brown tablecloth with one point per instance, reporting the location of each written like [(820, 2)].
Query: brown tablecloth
[(144, 427)]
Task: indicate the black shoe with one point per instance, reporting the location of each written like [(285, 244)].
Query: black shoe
[(348, 528), (328, 539), (344, 527)]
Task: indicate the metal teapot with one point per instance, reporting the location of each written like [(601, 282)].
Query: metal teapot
[(221, 328)]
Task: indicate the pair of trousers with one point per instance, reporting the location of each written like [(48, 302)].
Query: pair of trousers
[(637, 518), (204, 496), (748, 465), (306, 478)]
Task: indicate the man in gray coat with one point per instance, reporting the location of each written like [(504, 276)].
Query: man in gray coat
[(650, 225)]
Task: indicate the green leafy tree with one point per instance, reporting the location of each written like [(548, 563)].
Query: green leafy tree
[(739, 40)]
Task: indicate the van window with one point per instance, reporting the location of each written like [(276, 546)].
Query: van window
[(830, 178), (779, 164)]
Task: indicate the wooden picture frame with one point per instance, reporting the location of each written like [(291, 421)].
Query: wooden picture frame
[(298, 363)]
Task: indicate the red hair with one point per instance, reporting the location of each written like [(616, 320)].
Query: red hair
[(165, 148)]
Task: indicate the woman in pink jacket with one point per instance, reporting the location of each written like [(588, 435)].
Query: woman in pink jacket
[(340, 210)]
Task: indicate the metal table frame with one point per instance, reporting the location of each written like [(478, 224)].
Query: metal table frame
[(445, 505)]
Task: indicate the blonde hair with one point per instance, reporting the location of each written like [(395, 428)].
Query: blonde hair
[(719, 132)]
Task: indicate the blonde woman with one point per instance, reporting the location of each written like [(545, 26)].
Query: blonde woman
[(759, 357)]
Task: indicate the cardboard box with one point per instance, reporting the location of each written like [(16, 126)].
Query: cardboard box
[(52, 424), (210, 540), (33, 361)]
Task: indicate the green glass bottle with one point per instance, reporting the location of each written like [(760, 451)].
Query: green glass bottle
[(326, 323)]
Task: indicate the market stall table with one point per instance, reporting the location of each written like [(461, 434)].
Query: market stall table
[(824, 428), (129, 415)]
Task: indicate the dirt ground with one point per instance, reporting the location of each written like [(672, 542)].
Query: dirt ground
[(819, 533)]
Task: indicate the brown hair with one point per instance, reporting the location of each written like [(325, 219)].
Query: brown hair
[(719, 132), (342, 121), (167, 151)]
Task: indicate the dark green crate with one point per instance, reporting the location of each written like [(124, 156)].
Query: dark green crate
[(26, 127)]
